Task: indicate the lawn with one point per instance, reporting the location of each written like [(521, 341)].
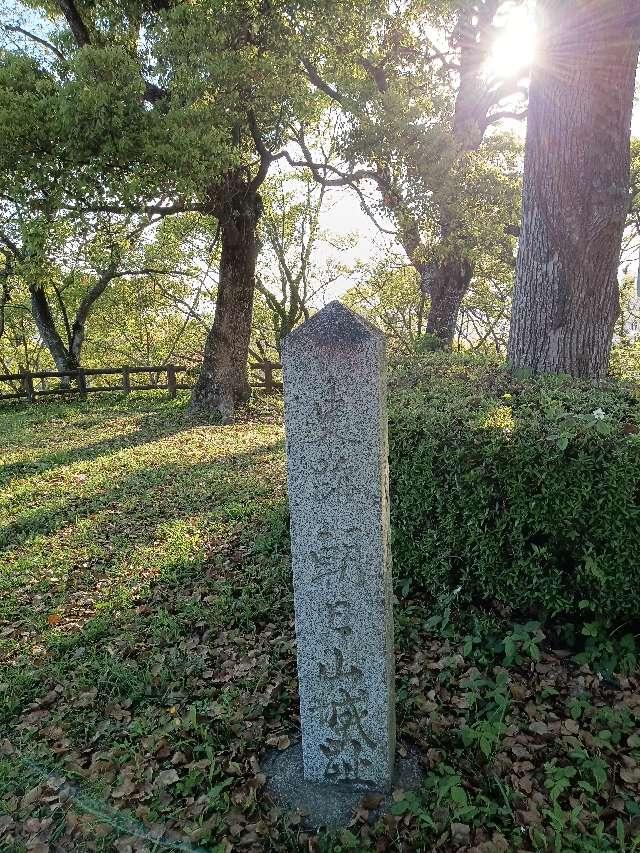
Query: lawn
[(147, 663)]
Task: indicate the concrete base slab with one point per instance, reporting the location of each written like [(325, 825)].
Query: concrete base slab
[(329, 805)]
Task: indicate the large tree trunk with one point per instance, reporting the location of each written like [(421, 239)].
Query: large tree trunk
[(46, 326), (223, 382), (446, 284), (576, 186), (450, 279)]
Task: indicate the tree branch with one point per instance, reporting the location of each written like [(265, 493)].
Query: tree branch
[(506, 89), (494, 118), (160, 210), (15, 29), (266, 156), (342, 180), (319, 83), (447, 63), (376, 72), (76, 24), (5, 295), (11, 246), (153, 93)]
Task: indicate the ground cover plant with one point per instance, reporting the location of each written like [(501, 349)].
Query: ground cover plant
[(148, 661)]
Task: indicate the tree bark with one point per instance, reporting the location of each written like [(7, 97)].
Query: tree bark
[(78, 328), (446, 284), (223, 382), (576, 186), (45, 323)]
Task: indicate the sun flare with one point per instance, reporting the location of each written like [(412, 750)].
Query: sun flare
[(514, 47)]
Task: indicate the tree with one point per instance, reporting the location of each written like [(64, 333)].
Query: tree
[(576, 186), (20, 346), (64, 265), (386, 293), (419, 106), (625, 355), (631, 240), (168, 107), (64, 240)]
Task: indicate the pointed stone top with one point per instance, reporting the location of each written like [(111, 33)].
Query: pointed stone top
[(334, 325)]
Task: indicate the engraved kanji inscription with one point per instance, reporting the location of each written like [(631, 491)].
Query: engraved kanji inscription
[(348, 748), (332, 473), (335, 412), (339, 618), (346, 713), (345, 761), (337, 555), (339, 670)]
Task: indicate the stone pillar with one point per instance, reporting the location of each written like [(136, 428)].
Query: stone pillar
[(336, 426)]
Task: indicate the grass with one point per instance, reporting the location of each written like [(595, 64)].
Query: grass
[(123, 531), (98, 502), (147, 662)]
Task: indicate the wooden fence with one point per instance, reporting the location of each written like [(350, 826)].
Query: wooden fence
[(24, 386)]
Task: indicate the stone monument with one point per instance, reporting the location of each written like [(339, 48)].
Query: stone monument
[(336, 433)]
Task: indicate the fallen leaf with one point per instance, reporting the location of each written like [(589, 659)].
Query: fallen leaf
[(166, 777), (630, 775), (372, 801), (530, 818), (460, 833), (127, 787), (86, 699)]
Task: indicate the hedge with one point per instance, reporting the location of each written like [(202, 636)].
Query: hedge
[(522, 492)]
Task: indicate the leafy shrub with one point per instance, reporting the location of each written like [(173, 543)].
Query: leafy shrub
[(524, 492)]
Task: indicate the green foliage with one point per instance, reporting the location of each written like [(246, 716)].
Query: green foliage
[(625, 355), (450, 186), (608, 651), (389, 296), (521, 492), (120, 290), (488, 700), (522, 643)]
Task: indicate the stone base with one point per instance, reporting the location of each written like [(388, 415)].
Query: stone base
[(324, 805)]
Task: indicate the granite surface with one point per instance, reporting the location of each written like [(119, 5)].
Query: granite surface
[(337, 450)]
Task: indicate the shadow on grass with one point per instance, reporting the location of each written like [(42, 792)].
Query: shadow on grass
[(151, 426), (152, 523), (157, 551), (168, 479)]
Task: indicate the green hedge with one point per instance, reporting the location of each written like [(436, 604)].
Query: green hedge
[(524, 492)]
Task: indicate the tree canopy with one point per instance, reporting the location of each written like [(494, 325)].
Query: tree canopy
[(189, 153)]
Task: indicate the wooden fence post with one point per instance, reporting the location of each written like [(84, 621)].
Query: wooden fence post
[(171, 381), (82, 384), (126, 380), (27, 386)]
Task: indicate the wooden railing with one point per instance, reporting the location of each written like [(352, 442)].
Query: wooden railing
[(24, 387)]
